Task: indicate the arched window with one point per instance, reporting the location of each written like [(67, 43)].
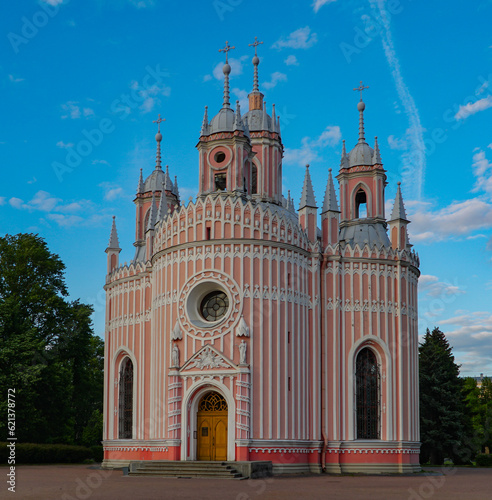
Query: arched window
[(254, 180), (367, 395), (360, 204), (126, 400)]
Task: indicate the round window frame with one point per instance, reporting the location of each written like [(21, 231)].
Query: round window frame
[(194, 303)]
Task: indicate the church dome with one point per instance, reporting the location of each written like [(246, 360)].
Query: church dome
[(154, 181), (255, 118), (223, 121), (362, 154)]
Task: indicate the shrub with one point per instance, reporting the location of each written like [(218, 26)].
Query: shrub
[(32, 453), (483, 460), (97, 453)]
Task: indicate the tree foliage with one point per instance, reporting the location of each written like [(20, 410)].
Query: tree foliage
[(48, 351), (442, 418)]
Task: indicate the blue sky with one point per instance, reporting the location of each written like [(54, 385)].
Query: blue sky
[(82, 83)]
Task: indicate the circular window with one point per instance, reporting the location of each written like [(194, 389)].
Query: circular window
[(214, 305), (219, 157)]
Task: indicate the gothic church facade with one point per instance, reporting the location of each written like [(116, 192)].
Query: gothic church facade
[(241, 331)]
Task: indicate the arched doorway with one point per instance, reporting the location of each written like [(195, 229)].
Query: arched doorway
[(212, 427)]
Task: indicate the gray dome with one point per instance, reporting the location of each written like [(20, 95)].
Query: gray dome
[(223, 121), (254, 118), (154, 181), (361, 155), (372, 233)]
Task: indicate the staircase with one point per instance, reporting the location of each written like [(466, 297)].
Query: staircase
[(216, 470)]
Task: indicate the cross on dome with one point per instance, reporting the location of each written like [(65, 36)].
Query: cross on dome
[(226, 49), (360, 88), (255, 44), (159, 121)]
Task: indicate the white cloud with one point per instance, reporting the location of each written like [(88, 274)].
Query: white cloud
[(207, 78), (32, 181), (64, 145), (397, 143), (291, 60), (310, 148), (16, 203), (275, 78), (14, 79), (432, 286), (473, 107), (100, 162), (150, 96), (317, 4), (236, 68), (72, 109), (111, 191), (53, 2), (242, 97), (460, 218), (3, 200), (88, 112), (413, 159), (298, 39), (66, 220), (470, 335), (482, 169)]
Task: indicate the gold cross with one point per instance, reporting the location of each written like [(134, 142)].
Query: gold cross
[(360, 88), (226, 49), (255, 44), (159, 121)]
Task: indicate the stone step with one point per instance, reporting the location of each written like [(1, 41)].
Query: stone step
[(220, 470)]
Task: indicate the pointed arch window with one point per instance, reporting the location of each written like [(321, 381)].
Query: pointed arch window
[(361, 204), (367, 377), (126, 400), (254, 180)]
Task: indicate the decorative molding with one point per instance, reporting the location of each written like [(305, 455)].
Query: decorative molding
[(242, 329)]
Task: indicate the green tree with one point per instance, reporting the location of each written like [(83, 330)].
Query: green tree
[(442, 423), (48, 351)]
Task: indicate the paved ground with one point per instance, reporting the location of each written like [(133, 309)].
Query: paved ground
[(69, 482)]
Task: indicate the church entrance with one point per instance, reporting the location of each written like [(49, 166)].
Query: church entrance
[(212, 427)]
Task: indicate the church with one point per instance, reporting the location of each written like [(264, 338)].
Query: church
[(242, 331)]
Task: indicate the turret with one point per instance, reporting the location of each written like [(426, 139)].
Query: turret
[(398, 224), (224, 147), (113, 249), (330, 214), (307, 208), (362, 182)]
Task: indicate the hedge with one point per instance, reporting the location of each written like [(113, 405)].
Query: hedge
[(32, 453), (483, 460)]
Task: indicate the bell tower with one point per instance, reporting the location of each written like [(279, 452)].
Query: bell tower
[(265, 179), (224, 146)]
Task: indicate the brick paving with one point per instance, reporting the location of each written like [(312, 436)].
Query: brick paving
[(70, 482)]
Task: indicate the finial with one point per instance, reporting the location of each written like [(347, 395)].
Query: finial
[(307, 165), (140, 188), (361, 106), (329, 170), (376, 157), (158, 138), (399, 184), (205, 122), (256, 62), (226, 70)]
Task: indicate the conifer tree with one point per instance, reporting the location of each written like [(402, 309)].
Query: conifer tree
[(441, 405)]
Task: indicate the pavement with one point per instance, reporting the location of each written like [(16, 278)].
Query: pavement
[(81, 482)]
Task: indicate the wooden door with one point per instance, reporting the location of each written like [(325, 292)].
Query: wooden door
[(212, 428)]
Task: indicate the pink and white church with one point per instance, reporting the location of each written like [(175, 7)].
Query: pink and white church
[(241, 331)]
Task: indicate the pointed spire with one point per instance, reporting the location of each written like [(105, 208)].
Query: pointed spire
[(152, 213), (140, 188), (398, 212), (226, 70), (114, 244), (176, 189), (330, 203), (158, 138), (204, 130), (344, 163), (256, 62), (307, 197), (238, 122), (255, 97), (278, 125), (163, 206), (264, 118), (376, 157), (274, 119), (168, 185), (290, 203)]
